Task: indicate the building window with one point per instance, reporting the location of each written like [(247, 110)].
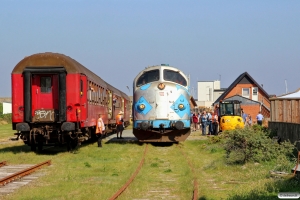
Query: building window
[(246, 92), (255, 91)]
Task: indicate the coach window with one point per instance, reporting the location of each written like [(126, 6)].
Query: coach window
[(93, 92), (100, 95), (46, 84), (81, 88), (148, 77), (174, 76)]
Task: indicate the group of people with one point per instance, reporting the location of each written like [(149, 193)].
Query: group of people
[(100, 128), (200, 121), (248, 119), (204, 120)]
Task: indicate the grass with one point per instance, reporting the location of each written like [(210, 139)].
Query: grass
[(90, 172), (220, 181), (6, 132), (97, 173), (165, 173)]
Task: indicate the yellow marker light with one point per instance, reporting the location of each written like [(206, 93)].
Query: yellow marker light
[(181, 106), (142, 106)]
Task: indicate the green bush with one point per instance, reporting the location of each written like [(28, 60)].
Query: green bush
[(5, 117), (253, 144)]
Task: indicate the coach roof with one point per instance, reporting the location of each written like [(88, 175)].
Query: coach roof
[(54, 60)]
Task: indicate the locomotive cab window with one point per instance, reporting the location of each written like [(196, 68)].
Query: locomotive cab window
[(148, 77), (46, 84), (174, 76)]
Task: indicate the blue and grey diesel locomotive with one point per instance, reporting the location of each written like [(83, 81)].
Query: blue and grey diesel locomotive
[(161, 105)]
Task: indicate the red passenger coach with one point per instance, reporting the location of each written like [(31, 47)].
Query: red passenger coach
[(56, 100)]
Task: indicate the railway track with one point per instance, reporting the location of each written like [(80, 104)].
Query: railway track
[(119, 192), (2, 163), (15, 176), (165, 189), (195, 191)]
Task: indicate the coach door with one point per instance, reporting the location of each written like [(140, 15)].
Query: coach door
[(45, 101), (83, 98)]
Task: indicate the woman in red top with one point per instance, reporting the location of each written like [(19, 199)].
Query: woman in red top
[(195, 121)]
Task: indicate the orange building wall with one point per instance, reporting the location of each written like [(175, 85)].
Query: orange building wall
[(238, 90), (253, 111)]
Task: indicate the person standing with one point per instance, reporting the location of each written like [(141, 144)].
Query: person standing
[(259, 118), (195, 122), (217, 111), (249, 120), (100, 129), (199, 121), (120, 126), (209, 123), (215, 124), (244, 116), (204, 122)]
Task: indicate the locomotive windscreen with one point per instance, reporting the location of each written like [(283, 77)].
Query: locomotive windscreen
[(174, 76), (147, 77)]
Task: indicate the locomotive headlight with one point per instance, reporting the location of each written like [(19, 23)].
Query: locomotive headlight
[(161, 86), (142, 106), (181, 107)]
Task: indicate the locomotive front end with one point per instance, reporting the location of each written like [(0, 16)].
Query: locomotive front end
[(161, 106)]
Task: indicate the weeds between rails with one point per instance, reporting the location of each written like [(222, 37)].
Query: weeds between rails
[(165, 173)]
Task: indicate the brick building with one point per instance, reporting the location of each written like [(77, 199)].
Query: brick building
[(252, 96)]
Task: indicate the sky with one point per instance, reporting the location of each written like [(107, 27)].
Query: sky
[(116, 39)]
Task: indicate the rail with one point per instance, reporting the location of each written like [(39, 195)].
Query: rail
[(195, 191), (2, 163), (119, 192), (23, 173)]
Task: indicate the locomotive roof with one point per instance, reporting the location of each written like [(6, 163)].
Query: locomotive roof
[(49, 59), (162, 66)]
